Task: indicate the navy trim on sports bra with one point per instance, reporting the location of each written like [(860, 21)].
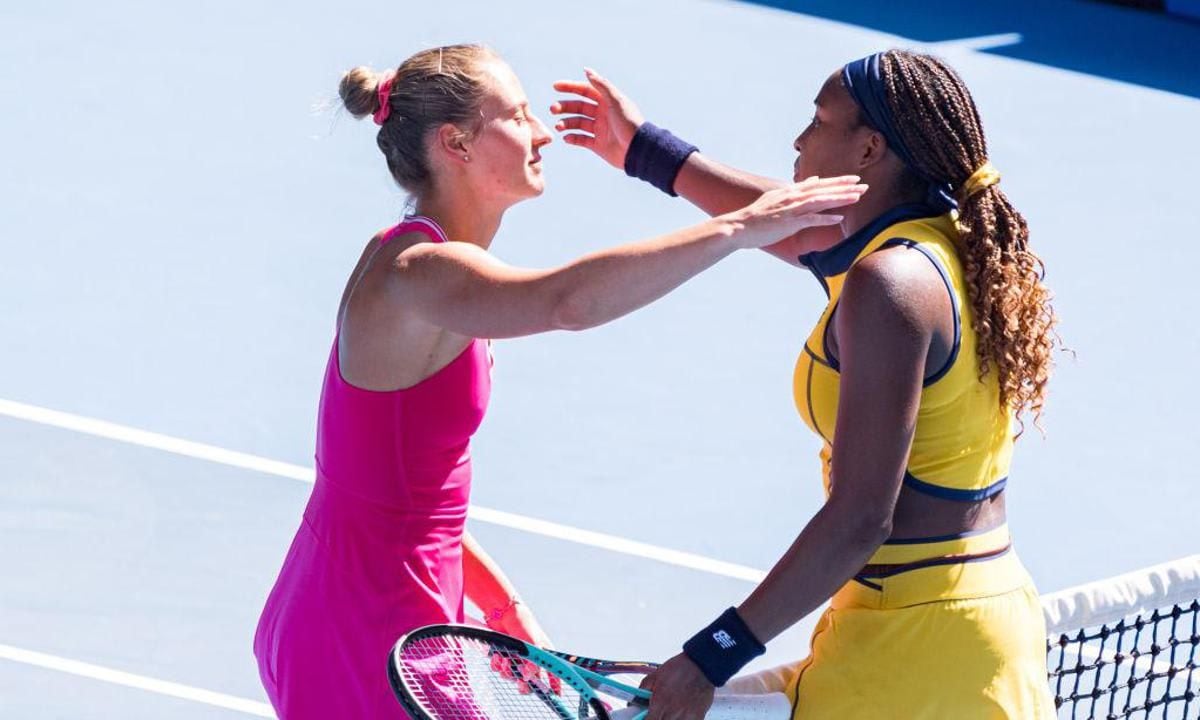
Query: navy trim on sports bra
[(833, 362), (874, 586), (913, 245), (937, 538), (812, 354), (893, 571), (838, 259), (946, 493), (812, 413), (830, 360)]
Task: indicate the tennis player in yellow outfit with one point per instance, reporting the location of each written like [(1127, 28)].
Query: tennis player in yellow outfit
[(936, 339)]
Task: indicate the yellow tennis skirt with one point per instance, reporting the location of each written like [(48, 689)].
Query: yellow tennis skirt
[(948, 639)]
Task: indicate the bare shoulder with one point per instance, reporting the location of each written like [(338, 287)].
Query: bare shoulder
[(894, 284), (448, 265), (416, 248)]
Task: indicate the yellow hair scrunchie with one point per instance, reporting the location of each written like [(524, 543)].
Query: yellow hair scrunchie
[(985, 177)]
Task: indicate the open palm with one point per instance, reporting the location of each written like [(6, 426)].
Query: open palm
[(604, 120)]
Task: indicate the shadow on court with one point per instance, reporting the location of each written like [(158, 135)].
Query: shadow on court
[(1119, 43)]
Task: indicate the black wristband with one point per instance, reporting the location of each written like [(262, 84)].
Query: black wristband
[(655, 155), (723, 648)]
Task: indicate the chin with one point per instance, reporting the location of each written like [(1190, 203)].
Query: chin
[(536, 186)]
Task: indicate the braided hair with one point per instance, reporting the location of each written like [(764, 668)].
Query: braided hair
[(1013, 316)]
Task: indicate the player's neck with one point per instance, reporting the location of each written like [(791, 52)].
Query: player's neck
[(462, 221), (875, 202)]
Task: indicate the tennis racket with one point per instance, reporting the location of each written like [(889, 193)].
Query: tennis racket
[(459, 672)]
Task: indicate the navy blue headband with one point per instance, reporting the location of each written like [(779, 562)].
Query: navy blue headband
[(865, 83)]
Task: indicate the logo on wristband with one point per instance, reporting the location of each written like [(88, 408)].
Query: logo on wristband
[(723, 639)]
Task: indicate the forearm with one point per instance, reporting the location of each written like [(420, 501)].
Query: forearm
[(830, 550), (461, 287), (608, 284), (713, 187), (484, 583), (716, 188)]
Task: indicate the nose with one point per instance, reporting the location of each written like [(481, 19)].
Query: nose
[(541, 133)]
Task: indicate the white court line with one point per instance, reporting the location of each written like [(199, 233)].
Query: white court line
[(140, 682), (232, 458), (616, 544), (983, 42)]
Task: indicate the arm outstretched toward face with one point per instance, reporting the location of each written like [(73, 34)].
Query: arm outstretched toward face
[(463, 288), (604, 120)]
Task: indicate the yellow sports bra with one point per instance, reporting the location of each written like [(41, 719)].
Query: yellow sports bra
[(962, 446)]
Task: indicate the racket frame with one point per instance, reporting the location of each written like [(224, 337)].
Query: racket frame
[(584, 675)]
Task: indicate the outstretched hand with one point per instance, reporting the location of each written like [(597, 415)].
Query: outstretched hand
[(786, 210), (600, 118)]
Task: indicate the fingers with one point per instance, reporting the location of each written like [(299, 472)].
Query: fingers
[(587, 125), (529, 671), (830, 199), (526, 675), (582, 120), (815, 194), (841, 190), (580, 140), (820, 182), (654, 711), (648, 682), (601, 83), (578, 88), (818, 220), (849, 193), (575, 107)]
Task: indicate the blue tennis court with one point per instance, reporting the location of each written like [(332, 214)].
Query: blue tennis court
[(181, 209)]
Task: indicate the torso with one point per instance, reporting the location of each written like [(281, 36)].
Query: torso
[(379, 550), (952, 385)]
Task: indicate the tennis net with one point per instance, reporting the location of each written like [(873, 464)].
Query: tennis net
[(1127, 647)]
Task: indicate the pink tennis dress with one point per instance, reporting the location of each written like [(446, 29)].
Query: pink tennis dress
[(379, 548)]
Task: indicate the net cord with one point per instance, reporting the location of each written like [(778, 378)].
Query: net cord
[(1105, 602)]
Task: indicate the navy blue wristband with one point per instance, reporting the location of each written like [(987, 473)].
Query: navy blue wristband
[(655, 155), (723, 648)]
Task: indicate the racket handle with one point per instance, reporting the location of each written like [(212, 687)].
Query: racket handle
[(765, 706)]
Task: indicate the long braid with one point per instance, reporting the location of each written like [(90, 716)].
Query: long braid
[(1013, 315)]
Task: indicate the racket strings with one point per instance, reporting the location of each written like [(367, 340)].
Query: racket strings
[(463, 678)]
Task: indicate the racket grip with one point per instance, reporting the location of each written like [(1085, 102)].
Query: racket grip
[(764, 706)]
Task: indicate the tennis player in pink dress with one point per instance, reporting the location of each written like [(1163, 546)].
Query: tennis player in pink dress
[(381, 548)]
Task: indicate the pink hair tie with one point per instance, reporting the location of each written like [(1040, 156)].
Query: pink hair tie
[(384, 92)]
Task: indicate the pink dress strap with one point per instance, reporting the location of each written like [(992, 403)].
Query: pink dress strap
[(418, 223)]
